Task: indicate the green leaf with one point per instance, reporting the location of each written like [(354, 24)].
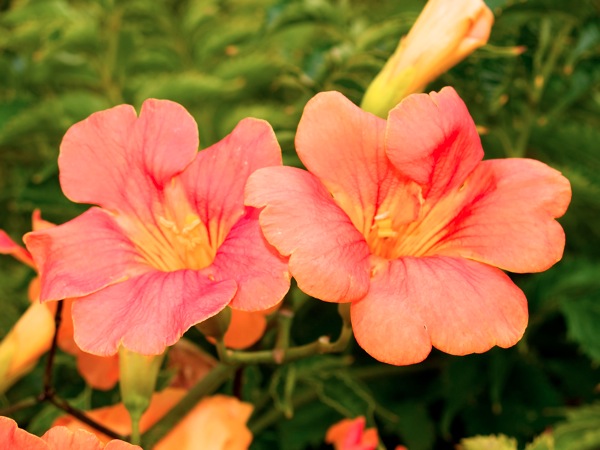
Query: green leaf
[(542, 442), (581, 431), (583, 316), (414, 425), (345, 394), (499, 442)]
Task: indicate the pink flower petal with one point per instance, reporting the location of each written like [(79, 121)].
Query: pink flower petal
[(115, 160), (261, 274), (328, 256), (458, 306), (10, 247), (12, 437), (343, 146), (62, 438), (215, 182), (432, 140), (507, 219), (82, 256), (147, 313)]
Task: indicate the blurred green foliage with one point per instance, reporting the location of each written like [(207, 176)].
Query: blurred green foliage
[(61, 60)]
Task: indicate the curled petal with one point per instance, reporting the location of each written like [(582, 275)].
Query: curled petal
[(10, 247), (466, 307), (432, 140), (147, 313), (329, 258), (350, 434)]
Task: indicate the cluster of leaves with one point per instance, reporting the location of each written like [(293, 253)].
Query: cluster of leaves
[(61, 60)]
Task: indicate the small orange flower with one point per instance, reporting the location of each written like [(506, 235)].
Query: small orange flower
[(350, 434), (216, 423), (445, 33)]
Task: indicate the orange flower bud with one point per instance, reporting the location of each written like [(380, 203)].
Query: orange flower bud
[(445, 33), (30, 338)]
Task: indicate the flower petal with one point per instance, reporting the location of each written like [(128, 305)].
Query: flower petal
[(457, 305), (82, 255), (147, 313), (99, 372), (261, 274), (219, 419), (343, 146), (432, 140), (328, 256), (245, 329), (63, 438), (13, 437), (114, 159), (215, 181), (508, 219), (10, 247)]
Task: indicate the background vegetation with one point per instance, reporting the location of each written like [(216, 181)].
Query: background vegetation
[(61, 60)]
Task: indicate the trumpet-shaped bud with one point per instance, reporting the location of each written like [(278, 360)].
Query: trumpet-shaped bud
[(445, 33), (20, 349)]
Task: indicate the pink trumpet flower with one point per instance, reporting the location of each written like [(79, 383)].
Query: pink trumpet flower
[(171, 243), (404, 220)]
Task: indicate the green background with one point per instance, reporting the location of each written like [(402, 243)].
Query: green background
[(224, 60)]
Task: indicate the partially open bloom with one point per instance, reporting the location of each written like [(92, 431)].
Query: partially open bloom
[(32, 335), (403, 219), (350, 434), (57, 438), (216, 423), (171, 244), (445, 33), (21, 348)]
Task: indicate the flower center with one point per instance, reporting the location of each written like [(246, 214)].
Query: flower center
[(419, 237), (173, 237)]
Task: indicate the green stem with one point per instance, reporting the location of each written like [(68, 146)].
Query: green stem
[(207, 385), (320, 346), (135, 438), (25, 403), (285, 318)]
